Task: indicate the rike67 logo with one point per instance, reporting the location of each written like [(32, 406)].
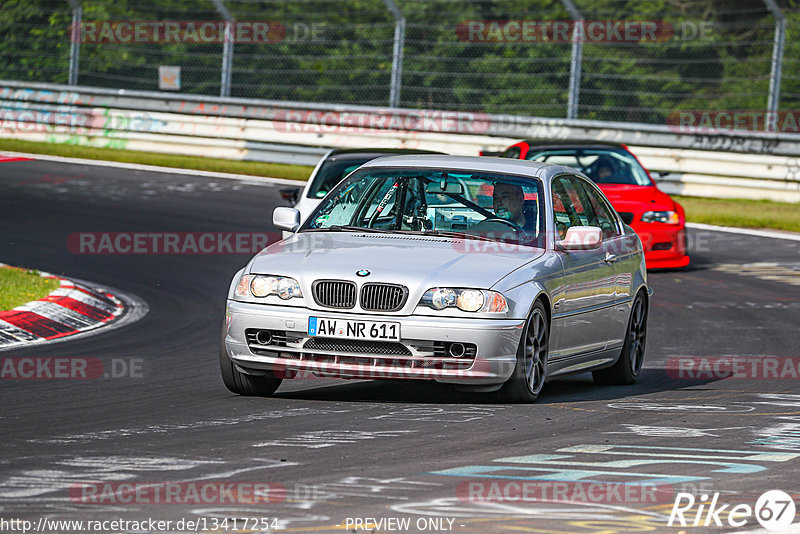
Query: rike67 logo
[(774, 510)]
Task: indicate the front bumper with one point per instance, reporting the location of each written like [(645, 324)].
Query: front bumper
[(664, 245), (418, 355)]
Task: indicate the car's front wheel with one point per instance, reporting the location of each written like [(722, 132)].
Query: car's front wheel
[(530, 371), (629, 365), (241, 383)]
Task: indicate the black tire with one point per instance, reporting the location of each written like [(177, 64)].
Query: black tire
[(242, 384), (530, 372), (629, 366)]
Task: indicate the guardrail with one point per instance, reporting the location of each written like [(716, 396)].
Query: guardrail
[(751, 165)]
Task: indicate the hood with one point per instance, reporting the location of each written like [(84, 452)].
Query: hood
[(417, 262), (637, 198)]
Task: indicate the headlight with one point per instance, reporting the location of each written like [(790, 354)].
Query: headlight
[(441, 298), (666, 217), (288, 288), (470, 300), (263, 286)]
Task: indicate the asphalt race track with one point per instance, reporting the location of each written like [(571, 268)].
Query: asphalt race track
[(332, 452)]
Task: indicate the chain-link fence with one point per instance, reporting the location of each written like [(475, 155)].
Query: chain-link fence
[(628, 60)]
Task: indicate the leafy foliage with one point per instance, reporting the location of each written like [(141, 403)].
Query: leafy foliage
[(716, 57)]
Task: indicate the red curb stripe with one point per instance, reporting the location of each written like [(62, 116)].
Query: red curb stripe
[(60, 314), (37, 324), (99, 296), (104, 298), (99, 300), (78, 306), (4, 159)]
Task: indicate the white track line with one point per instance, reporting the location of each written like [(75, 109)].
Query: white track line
[(790, 236), (155, 168)]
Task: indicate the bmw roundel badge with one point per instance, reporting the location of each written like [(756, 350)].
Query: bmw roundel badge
[(362, 272)]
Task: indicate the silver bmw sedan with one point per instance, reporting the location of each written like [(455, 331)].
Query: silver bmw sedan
[(491, 274)]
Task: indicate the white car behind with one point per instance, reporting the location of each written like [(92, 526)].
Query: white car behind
[(331, 169)]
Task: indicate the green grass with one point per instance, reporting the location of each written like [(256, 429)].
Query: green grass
[(254, 168), (19, 286), (741, 212)]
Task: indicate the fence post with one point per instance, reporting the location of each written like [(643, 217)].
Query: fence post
[(397, 53), (575, 59), (227, 49), (75, 41), (777, 60)]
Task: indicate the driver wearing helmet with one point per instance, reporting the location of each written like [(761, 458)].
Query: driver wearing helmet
[(602, 168)]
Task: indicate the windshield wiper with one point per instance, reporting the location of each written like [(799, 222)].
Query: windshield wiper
[(347, 228), (463, 235), (351, 228), (447, 233), (324, 229), (435, 233)]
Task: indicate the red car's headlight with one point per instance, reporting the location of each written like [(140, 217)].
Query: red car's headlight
[(665, 217)]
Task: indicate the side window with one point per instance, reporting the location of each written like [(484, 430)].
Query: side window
[(512, 152), (568, 210), (582, 203), (603, 213)]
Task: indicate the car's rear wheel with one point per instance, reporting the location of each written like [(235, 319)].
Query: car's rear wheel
[(629, 366), (241, 383), (530, 371)]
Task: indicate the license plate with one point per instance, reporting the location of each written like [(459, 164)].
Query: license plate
[(347, 329)]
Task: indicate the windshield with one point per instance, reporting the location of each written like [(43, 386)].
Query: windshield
[(477, 205), (602, 165), (331, 173)]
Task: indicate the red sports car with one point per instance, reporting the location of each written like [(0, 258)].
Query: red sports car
[(659, 220)]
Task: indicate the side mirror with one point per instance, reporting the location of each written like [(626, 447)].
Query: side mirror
[(582, 238), (286, 219), (290, 195)]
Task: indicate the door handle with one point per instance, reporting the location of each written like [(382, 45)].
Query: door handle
[(610, 258), (559, 302)]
